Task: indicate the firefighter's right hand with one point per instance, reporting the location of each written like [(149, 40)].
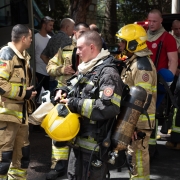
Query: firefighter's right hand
[(68, 70), (60, 95), (34, 92)]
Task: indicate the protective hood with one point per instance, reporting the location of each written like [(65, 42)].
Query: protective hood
[(88, 66), (152, 36)]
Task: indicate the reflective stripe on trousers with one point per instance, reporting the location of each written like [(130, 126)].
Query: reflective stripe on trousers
[(17, 173), (175, 128), (87, 143), (140, 158), (152, 140), (140, 178), (59, 153), (3, 177)]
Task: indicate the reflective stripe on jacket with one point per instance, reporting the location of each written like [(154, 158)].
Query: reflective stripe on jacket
[(140, 71), (58, 62), (14, 79)]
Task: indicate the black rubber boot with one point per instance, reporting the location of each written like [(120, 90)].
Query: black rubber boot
[(58, 171)]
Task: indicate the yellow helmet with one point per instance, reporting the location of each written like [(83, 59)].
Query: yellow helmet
[(134, 35), (61, 124)]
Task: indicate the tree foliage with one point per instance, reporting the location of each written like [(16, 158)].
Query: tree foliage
[(58, 12), (78, 10), (127, 11), (110, 21), (132, 10)]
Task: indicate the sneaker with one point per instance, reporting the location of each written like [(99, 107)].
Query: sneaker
[(53, 174), (171, 145)]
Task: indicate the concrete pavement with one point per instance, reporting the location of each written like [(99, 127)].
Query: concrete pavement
[(165, 167)]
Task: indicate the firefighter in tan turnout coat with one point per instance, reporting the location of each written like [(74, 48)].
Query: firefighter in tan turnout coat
[(139, 71), (15, 93)]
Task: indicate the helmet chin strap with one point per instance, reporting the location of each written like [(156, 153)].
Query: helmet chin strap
[(124, 52)]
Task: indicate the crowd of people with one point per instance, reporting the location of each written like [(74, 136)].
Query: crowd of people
[(76, 66)]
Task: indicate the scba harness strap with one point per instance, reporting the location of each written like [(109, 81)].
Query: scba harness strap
[(118, 66)]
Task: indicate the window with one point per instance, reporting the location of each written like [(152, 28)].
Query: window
[(13, 12)]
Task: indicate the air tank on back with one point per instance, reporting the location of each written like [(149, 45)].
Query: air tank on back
[(127, 120)]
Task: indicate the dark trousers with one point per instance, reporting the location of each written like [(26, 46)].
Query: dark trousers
[(80, 167), (41, 81)]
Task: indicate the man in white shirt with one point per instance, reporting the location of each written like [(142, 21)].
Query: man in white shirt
[(41, 40)]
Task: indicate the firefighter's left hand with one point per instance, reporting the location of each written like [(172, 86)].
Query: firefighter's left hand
[(65, 101)]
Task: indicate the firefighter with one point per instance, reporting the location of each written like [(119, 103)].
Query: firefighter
[(139, 71), (96, 97), (16, 92), (62, 66)]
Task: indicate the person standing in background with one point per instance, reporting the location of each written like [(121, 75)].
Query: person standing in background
[(60, 40), (64, 64), (41, 40), (95, 28), (168, 58)]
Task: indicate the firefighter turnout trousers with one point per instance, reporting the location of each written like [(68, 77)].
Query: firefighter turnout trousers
[(139, 158), (80, 166), (14, 150)]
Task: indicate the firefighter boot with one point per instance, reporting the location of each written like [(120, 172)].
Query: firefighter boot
[(5, 163), (58, 171)]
